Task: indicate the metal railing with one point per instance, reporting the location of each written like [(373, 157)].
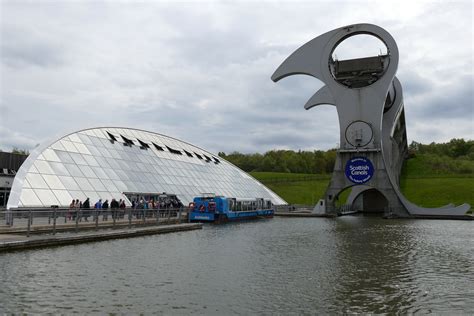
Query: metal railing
[(52, 220)]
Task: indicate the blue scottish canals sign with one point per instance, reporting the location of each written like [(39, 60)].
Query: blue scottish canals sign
[(359, 170)]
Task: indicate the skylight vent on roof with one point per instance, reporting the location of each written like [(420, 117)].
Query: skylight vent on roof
[(198, 155), (158, 147), (127, 142), (112, 138), (208, 159), (143, 145), (216, 161), (188, 153), (174, 151)]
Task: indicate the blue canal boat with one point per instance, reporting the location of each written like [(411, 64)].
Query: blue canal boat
[(218, 209)]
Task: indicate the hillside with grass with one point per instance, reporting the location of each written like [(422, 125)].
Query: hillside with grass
[(433, 176), (423, 182)]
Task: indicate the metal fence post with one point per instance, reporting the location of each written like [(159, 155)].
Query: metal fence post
[(169, 215), (96, 219), (144, 213), (29, 224), (114, 215), (54, 222), (129, 218), (179, 214)]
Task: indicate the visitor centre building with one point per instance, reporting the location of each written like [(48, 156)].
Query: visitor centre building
[(122, 163)]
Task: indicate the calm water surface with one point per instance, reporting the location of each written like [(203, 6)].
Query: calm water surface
[(283, 265)]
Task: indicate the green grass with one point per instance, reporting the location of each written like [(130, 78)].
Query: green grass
[(417, 184), (433, 192)]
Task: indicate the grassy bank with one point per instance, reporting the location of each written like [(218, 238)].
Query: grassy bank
[(419, 184)]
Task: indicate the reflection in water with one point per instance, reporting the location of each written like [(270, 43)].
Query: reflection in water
[(283, 265)]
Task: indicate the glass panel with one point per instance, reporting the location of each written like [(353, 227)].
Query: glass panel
[(88, 171), (36, 181), (90, 160), (98, 133), (113, 163), (94, 151), (112, 174), (103, 162), (68, 145), (28, 197), (74, 170), (69, 183), (85, 139), (74, 138), (43, 167), (63, 197), (109, 185), (122, 187), (47, 197), (33, 169), (26, 184), (97, 184), (64, 156), (57, 146), (78, 159), (82, 149), (100, 173), (96, 141), (78, 195), (59, 168), (84, 184), (93, 197), (50, 155), (115, 154), (53, 182), (105, 152)]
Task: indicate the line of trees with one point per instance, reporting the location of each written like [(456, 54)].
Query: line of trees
[(317, 162), (457, 148), (322, 162)]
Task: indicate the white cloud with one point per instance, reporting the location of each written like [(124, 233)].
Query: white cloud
[(201, 71)]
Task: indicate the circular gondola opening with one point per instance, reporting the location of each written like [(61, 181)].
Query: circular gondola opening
[(359, 60)]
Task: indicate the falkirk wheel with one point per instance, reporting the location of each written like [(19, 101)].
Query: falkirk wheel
[(369, 102)]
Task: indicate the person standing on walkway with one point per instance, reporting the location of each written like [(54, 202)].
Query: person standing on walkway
[(114, 205), (105, 209), (86, 207), (72, 208), (122, 208)]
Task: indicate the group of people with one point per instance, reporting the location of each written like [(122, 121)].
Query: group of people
[(85, 208), (161, 203), (168, 202)]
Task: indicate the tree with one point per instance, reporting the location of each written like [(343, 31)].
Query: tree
[(20, 151)]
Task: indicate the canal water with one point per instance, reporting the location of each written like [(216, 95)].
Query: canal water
[(282, 265)]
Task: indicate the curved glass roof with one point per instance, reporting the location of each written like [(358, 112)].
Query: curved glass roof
[(107, 163)]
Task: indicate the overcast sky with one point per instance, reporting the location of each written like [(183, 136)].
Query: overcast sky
[(200, 71)]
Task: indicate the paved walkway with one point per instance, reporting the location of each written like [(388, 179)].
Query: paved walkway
[(17, 242)]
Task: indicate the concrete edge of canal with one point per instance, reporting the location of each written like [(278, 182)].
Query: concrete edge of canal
[(20, 242)]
